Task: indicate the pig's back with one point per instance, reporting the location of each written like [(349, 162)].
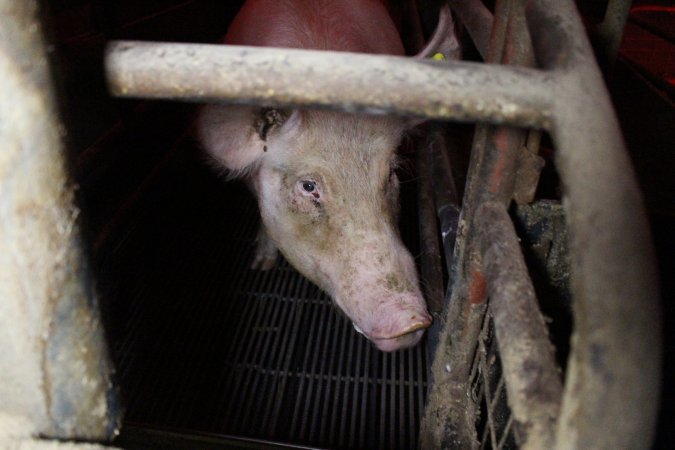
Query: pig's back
[(363, 26)]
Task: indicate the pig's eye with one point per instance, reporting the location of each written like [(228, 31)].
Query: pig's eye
[(308, 186)]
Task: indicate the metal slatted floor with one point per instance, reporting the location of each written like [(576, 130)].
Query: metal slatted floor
[(205, 345)]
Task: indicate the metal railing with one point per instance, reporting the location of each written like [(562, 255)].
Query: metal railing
[(610, 394), (615, 346), (613, 369)]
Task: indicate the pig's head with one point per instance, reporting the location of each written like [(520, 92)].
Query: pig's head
[(328, 196)]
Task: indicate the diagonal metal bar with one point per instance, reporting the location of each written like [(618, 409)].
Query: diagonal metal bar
[(532, 381), (353, 82), (478, 20)]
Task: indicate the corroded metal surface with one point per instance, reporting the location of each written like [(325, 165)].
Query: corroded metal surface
[(54, 367), (492, 177)]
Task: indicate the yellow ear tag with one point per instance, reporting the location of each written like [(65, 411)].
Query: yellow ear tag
[(438, 57)]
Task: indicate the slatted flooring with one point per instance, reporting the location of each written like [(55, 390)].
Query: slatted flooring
[(205, 345)]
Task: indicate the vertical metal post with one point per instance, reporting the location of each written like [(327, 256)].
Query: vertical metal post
[(613, 375), (54, 371), (610, 31)]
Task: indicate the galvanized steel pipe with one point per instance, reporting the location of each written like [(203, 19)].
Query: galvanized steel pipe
[(348, 81)]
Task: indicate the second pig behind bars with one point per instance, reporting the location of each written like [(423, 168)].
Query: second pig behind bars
[(325, 181)]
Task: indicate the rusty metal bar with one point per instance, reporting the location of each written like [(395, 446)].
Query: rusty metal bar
[(494, 171), (348, 81), (55, 374), (450, 414), (614, 367), (533, 383)]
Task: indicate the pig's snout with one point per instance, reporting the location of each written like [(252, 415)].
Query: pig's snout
[(395, 328)]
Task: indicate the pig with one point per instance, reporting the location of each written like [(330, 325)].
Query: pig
[(325, 181)]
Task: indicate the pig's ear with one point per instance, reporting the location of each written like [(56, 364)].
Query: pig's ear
[(236, 136), (289, 123), (228, 135)]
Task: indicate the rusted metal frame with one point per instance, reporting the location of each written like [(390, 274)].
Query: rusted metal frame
[(477, 19), (529, 169), (522, 337), (531, 376), (495, 163), (613, 376), (55, 373), (450, 414), (352, 82)]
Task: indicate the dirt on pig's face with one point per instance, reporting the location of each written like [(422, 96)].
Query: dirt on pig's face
[(328, 196)]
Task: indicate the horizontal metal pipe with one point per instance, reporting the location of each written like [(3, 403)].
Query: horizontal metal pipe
[(347, 81)]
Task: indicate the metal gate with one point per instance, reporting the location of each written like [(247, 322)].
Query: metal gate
[(494, 363)]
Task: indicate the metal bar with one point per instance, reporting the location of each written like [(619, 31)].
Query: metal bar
[(365, 395), (297, 421), (257, 278), (251, 387), (55, 373), (289, 350), (355, 393), (614, 367), (532, 382), (325, 314), (478, 20), (341, 382), (430, 257), (492, 173), (348, 81), (383, 399), (446, 198), (317, 419), (609, 32)]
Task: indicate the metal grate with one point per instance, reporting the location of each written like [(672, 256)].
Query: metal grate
[(210, 346), (495, 425)]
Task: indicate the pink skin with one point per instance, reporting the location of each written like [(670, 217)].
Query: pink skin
[(327, 192)]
